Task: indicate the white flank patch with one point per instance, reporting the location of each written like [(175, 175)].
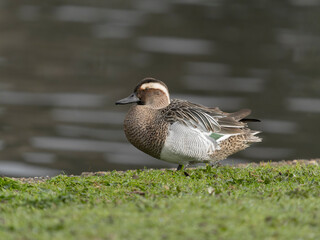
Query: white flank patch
[(185, 144), (155, 85)]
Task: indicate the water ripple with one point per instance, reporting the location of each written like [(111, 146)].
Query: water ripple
[(88, 116), (11, 168), (304, 104), (52, 99), (173, 45)]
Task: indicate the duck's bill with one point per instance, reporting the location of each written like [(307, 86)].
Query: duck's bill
[(131, 99)]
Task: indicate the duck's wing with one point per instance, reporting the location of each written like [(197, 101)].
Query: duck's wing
[(207, 119)]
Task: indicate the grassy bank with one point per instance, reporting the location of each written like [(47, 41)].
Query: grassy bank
[(265, 202)]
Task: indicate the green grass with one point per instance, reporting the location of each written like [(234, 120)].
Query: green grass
[(212, 203)]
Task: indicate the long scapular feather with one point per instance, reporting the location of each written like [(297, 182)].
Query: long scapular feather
[(203, 120), (208, 122), (231, 123), (240, 114)]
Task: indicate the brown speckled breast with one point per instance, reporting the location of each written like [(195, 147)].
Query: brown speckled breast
[(230, 146), (145, 129)]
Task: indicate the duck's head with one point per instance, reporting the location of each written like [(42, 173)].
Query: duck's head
[(149, 91)]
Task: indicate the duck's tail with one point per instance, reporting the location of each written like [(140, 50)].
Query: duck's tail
[(251, 136), (240, 116)]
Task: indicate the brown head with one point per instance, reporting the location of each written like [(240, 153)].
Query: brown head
[(150, 92)]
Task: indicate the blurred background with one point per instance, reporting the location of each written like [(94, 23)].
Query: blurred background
[(63, 64)]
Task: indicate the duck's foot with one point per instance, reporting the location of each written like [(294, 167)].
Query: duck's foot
[(180, 167), (216, 164)]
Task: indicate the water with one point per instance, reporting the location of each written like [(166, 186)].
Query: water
[(63, 65)]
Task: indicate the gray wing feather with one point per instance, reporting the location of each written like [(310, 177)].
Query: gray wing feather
[(208, 119)]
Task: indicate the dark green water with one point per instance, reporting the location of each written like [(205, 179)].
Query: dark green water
[(63, 64)]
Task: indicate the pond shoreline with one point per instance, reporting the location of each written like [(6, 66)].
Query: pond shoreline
[(315, 161)]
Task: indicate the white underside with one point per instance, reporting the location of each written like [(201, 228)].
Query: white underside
[(185, 144)]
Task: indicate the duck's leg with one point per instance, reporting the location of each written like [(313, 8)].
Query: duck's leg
[(180, 167)]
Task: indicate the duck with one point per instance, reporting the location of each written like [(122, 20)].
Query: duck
[(181, 132)]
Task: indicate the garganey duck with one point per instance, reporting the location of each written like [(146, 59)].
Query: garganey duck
[(178, 131)]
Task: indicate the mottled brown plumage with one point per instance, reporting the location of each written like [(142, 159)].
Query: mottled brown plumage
[(230, 146)]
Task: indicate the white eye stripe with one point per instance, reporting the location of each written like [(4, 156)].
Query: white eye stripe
[(155, 85)]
